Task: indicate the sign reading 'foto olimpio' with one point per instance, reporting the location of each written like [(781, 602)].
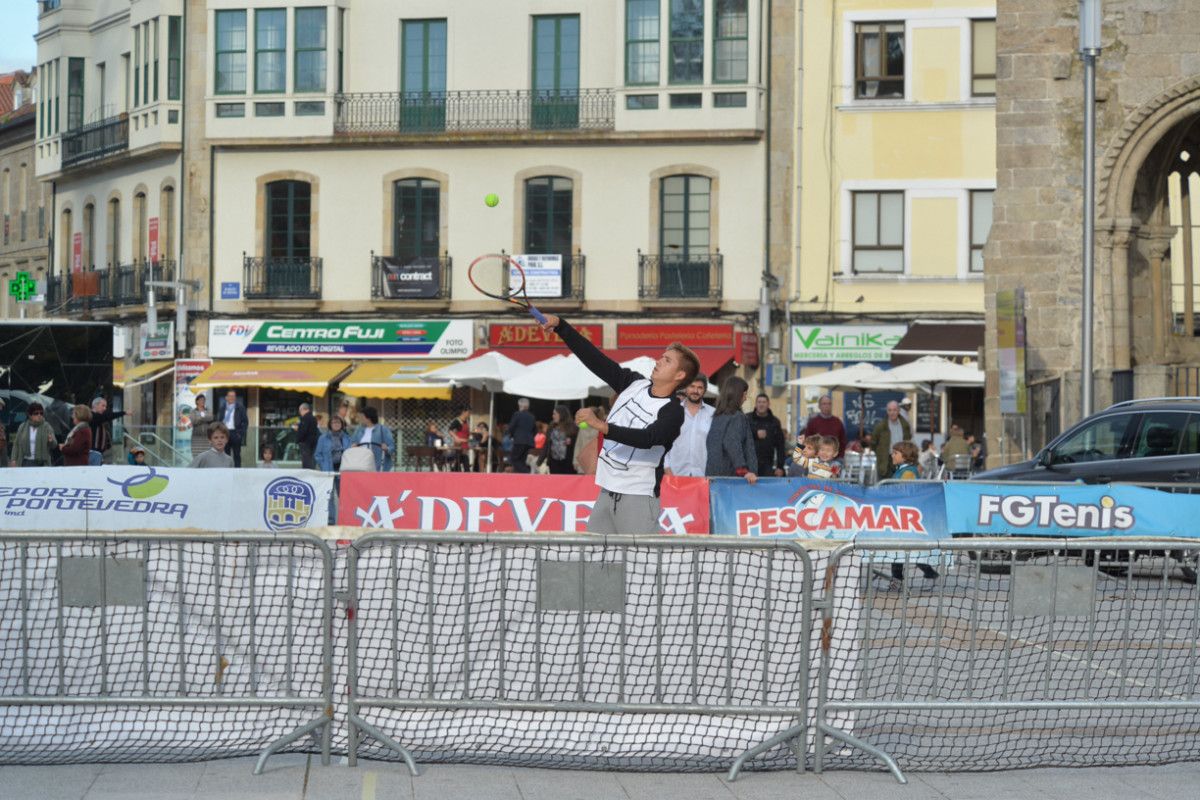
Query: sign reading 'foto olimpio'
[(440, 339), (847, 343)]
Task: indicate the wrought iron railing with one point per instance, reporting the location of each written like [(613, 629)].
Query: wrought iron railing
[(481, 110), (115, 287), (281, 278), (691, 276), (96, 140), (421, 278)]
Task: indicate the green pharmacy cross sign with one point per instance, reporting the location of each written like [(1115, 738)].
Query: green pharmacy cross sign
[(22, 287)]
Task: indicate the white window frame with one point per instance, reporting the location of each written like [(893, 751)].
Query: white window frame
[(958, 189), (912, 19)]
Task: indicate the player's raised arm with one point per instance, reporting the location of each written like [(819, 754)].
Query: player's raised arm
[(603, 367)]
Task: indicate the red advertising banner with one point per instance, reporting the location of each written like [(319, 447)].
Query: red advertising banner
[(153, 243), (532, 335), (77, 253), (663, 335), (503, 503), (748, 346)]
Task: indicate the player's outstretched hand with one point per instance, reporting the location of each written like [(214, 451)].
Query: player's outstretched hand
[(551, 323)]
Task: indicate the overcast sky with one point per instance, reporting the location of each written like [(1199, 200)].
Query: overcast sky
[(17, 49)]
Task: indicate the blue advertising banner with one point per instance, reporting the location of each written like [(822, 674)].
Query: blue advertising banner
[(804, 509), (1071, 509)]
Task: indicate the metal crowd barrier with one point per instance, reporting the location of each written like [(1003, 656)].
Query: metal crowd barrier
[(1052, 657), (577, 650), (162, 647)]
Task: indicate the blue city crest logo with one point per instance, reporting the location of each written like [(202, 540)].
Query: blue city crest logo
[(288, 503)]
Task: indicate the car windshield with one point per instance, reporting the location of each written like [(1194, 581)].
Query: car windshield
[(1098, 440)]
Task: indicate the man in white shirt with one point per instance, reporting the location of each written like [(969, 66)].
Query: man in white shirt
[(689, 453)]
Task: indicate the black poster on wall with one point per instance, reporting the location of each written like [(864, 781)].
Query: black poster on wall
[(417, 278)]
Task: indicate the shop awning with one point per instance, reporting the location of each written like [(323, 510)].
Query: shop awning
[(313, 377), (953, 340), (712, 359), (143, 373), (393, 380)]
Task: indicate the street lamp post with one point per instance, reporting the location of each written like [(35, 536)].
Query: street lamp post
[(1090, 17)]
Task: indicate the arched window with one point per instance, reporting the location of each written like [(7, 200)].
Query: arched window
[(289, 220), (416, 226), (549, 220), (89, 236), (684, 236), (141, 236), (65, 240), (166, 224), (114, 231)]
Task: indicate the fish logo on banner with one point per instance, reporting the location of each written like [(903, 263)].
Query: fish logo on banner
[(288, 503), (824, 514)]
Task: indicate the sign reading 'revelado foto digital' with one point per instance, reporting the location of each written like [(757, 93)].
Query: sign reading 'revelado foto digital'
[(443, 339), (847, 343)]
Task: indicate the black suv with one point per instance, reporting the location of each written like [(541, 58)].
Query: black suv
[(1138, 441)]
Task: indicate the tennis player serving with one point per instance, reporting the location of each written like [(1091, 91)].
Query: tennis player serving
[(644, 422)]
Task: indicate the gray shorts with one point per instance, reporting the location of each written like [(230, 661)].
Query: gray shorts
[(625, 514)]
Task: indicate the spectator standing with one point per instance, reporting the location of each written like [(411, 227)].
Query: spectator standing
[(560, 442), (237, 423), (375, 436), (522, 428), (888, 431), (217, 455), (460, 434), (331, 445), (769, 446), (824, 423), (201, 418), (906, 409), (78, 444), (689, 456), (729, 448), (34, 440), (101, 425), (307, 436)]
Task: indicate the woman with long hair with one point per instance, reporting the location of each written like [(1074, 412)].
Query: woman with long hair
[(729, 443), (560, 442)]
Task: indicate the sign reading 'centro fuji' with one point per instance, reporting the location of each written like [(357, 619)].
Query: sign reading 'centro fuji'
[(444, 339), (849, 343)]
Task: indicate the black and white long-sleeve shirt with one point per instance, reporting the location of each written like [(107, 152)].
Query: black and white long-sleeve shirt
[(641, 427)]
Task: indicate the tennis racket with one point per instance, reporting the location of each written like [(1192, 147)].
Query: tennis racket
[(500, 276)]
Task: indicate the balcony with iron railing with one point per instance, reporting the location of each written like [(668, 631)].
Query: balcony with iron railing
[(434, 113), (411, 279), (117, 287), (269, 278), (95, 141), (680, 276)]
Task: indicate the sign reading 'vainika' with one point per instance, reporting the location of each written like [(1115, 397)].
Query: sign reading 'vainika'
[(448, 339), (845, 342)]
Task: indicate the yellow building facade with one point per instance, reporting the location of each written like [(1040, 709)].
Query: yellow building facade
[(896, 151)]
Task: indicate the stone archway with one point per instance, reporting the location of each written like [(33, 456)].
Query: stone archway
[(1139, 301)]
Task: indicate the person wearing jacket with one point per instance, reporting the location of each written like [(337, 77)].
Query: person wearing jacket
[(767, 433), (371, 434), (34, 440), (888, 431), (237, 423), (78, 444), (101, 424), (522, 428), (331, 445), (307, 436), (730, 448)]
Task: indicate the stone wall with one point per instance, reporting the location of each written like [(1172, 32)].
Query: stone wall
[(1150, 50)]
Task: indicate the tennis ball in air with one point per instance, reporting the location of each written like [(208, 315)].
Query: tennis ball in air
[(492, 200)]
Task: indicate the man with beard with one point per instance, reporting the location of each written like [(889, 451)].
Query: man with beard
[(689, 454)]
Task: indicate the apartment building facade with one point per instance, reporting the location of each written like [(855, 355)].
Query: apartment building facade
[(897, 174), (23, 200)]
